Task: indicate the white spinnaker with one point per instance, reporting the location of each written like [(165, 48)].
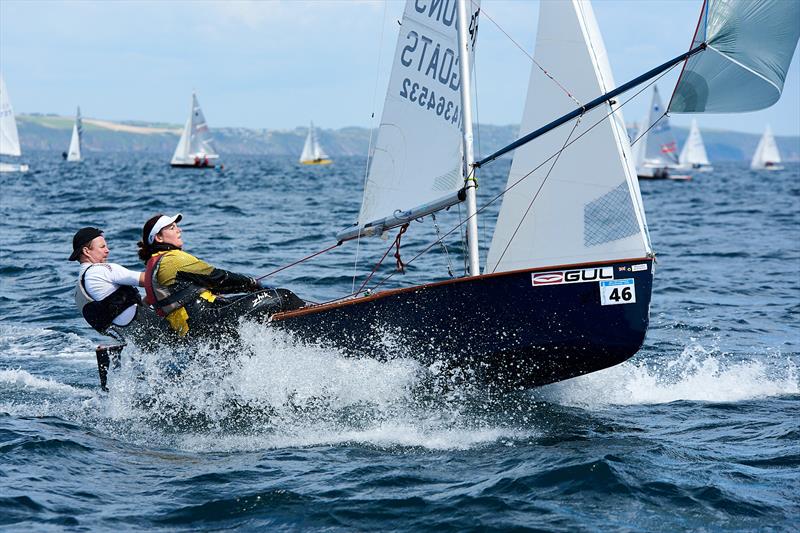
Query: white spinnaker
[(589, 208), (417, 156), (766, 151), (74, 153), (750, 46), (694, 150), (661, 148), (9, 138)]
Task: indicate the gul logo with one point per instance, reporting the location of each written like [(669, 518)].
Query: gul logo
[(548, 278), (572, 276)]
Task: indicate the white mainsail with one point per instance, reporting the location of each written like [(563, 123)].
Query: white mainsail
[(660, 148), (749, 46), (312, 151), (418, 157), (586, 205), (195, 142), (9, 138), (767, 155), (74, 153), (693, 153)]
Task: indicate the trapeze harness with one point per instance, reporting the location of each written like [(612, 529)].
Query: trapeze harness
[(100, 314)]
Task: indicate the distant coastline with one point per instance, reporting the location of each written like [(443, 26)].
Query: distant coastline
[(52, 132)]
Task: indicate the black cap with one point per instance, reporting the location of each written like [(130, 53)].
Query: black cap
[(83, 237)]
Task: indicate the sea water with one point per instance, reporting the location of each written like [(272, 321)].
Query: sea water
[(700, 430)]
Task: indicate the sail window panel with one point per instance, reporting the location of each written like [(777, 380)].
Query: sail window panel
[(609, 218)]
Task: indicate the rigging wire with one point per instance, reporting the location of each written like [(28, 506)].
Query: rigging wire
[(461, 223), (371, 132), (536, 195), (503, 192), (443, 245), (533, 60)]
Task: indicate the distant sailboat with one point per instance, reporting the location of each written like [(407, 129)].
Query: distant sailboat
[(767, 156), (313, 154), (9, 137), (74, 153), (195, 148), (693, 155), (659, 151)]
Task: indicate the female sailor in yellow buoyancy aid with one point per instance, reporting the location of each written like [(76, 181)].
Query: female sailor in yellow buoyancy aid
[(187, 291)]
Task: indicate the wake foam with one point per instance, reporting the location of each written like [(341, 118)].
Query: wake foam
[(19, 378), (270, 390), (697, 374)]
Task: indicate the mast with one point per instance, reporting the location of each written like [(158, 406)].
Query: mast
[(470, 181)]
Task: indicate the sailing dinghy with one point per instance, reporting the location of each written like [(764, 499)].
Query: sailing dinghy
[(767, 156), (693, 155), (195, 148), (658, 151), (9, 137), (313, 154), (567, 283), (74, 153)]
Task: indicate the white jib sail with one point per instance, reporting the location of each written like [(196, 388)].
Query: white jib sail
[(74, 153), (417, 158), (766, 152), (694, 150), (195, 139), (588, 206), (9, 138), (750, 46)]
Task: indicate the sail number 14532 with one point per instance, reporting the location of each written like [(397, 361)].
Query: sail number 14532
[(617, 291)]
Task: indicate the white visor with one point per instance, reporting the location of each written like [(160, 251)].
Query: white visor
[(160, 224)]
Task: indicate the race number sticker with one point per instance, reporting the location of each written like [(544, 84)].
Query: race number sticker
[(617, 291)]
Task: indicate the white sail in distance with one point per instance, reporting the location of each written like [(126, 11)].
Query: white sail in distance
[(312, 150), (9, 137), (693, 153), (418, 157), (767, 155), (585, 205), (74, 153), (660, 149), (195, 141), (750, 44)]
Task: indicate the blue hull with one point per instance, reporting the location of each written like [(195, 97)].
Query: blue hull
[(511, 330)]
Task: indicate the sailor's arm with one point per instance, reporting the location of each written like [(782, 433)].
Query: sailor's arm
[(119, 275)]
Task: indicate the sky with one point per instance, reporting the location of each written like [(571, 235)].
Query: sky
[(278, 64)]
